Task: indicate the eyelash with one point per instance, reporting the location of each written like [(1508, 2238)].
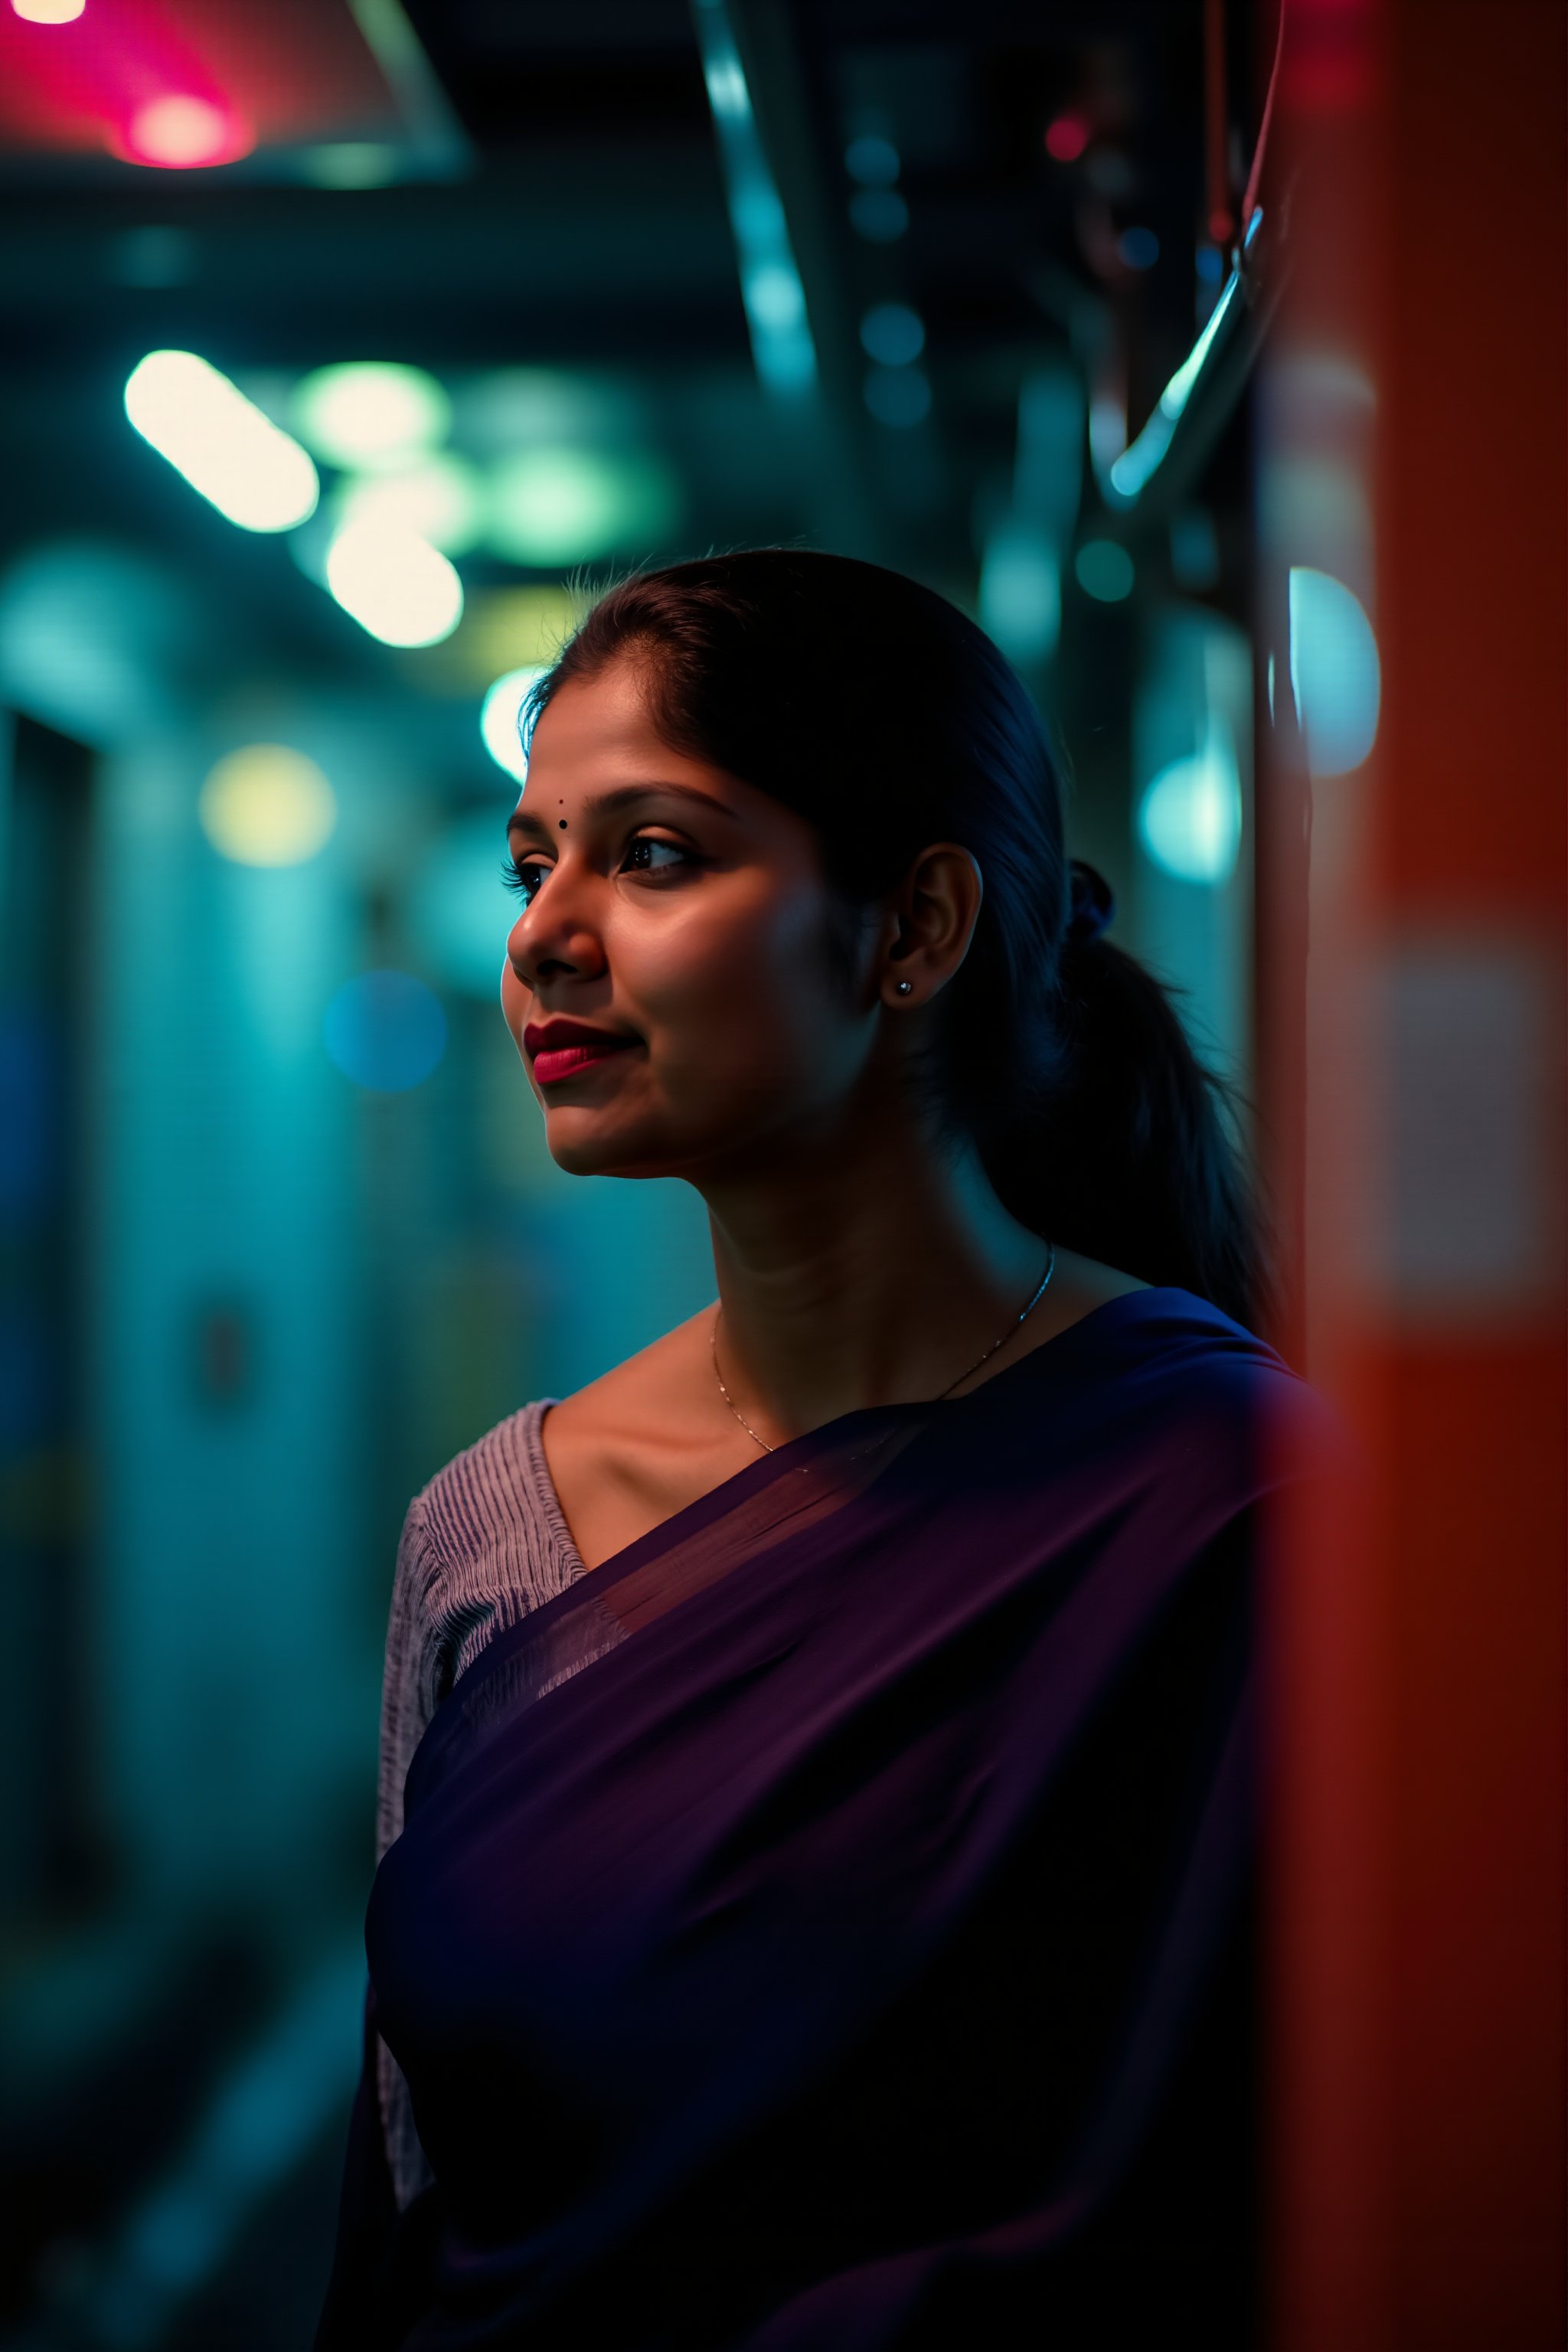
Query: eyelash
[(515, 876)]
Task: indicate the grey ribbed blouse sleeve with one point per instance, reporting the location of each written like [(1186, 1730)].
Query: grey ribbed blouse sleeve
[(408, 1694), (406, 1707), (483, 1544)]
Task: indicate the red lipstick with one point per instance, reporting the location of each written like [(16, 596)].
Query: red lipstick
[(560, 1049)]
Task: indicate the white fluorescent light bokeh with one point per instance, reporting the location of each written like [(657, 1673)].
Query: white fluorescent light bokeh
[(246, 466), (501, 720), (393, 583)]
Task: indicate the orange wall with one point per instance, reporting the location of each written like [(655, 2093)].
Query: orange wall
[(1420, 1944)]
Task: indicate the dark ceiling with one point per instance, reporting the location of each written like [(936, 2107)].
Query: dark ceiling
[(576, 219)]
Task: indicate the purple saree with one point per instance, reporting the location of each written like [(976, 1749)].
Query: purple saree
[(826, 1924)]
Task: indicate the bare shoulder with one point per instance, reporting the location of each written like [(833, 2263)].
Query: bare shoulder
[(641, 1441)]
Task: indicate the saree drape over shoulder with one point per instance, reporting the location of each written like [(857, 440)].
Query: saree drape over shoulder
[(826, 1924)]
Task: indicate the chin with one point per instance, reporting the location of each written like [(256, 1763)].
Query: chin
[(724, 1118), (581, 1147)]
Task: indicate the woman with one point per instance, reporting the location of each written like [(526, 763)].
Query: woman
[(816, 1803)]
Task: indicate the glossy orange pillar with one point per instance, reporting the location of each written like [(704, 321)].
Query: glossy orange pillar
[(1411, 933)]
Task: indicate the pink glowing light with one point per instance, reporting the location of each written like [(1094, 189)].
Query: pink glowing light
[(181, 133), (1067, 138)]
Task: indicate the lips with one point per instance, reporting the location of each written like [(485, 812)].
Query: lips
[(561, 1049)]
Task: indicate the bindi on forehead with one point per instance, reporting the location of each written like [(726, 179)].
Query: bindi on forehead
[(625, 797)]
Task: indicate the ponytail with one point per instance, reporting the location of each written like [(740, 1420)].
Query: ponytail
[(1132, 1161), (878, 712)]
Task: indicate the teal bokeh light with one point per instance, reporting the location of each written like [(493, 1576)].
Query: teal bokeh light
[(898, 396), (567, 505), (1335, 676), (1189, 819), (1104, 571), (892, 334)]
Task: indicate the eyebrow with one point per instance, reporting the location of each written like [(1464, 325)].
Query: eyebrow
[(623, 795)]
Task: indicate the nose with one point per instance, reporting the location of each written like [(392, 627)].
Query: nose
[(556, 937)]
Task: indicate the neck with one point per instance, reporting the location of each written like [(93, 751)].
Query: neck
[(873, 1268)]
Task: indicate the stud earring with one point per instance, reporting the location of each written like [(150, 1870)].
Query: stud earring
[(905, 987)]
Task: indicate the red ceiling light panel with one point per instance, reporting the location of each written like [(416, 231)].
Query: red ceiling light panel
[(176, 85)]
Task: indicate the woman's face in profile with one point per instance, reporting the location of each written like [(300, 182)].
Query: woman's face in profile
[(680, 917)]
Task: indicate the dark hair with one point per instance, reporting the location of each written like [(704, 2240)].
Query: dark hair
[(872, 708)]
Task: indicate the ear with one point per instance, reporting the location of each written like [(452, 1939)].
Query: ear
[(931, 923)]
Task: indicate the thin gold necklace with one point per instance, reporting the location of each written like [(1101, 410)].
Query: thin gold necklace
[(991, 1351)]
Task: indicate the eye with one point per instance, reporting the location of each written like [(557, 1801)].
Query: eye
[(523, 881), (645, 854)]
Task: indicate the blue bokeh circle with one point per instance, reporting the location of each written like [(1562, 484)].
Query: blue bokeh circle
[(385, 1030)]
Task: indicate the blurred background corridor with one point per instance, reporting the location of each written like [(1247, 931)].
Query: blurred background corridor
[(350, 343)]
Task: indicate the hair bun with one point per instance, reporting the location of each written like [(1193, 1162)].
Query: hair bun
[(1093, 903)]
